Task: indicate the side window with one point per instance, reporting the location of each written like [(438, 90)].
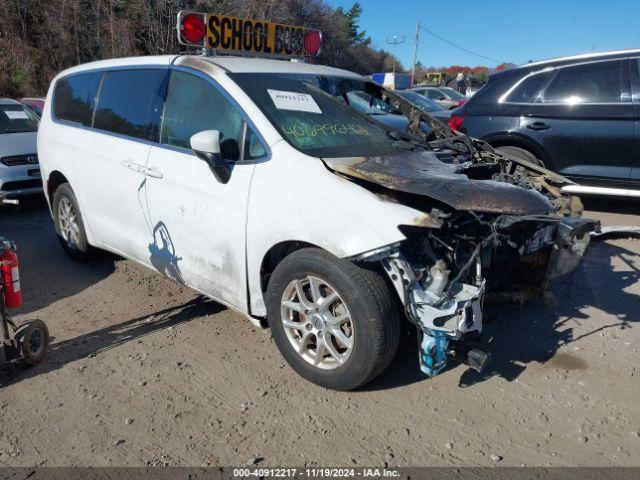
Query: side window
[(253, 148), (194, 105), (130, 102), (74, 97), (434, 94), (528, 89), (591, 83)]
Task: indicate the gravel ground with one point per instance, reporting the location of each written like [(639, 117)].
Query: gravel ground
[(144, 372)]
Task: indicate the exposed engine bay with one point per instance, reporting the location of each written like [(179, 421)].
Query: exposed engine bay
[(494, 229)]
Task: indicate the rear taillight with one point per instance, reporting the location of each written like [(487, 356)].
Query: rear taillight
[(456, 120), (462, 101)]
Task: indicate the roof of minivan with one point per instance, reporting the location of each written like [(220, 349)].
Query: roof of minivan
[(228, 63), (586, 56), (265, 65), (122, 62), (8, 101)]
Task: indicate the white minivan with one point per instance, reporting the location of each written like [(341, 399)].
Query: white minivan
[(252, 181)]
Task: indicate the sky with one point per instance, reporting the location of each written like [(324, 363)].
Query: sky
[(506, 31)]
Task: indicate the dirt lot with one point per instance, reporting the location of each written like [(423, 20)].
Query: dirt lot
[(143, 372)]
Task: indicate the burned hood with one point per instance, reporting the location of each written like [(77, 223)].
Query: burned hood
[(422, 173)]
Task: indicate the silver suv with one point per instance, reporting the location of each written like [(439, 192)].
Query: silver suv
[(19, 168)]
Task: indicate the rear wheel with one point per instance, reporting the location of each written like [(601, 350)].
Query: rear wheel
[(69, 225), (334, 322), (521, 153)]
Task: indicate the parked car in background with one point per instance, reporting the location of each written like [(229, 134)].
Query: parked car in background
[(444, 96), (382, 111), (426, 105), (577, 116), (35, 104), (19, 168), (377, 109)]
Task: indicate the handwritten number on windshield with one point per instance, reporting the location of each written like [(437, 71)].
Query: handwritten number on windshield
[(299, 130)]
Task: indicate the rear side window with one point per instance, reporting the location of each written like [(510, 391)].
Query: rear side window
[(527, 90), (74, 97), (434, 94), (635, 79), (130, 102), (194, 105), (591, 83)]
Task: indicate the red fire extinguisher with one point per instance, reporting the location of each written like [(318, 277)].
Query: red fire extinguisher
[(10, 278)]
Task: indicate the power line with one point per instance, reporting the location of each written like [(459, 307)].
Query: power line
[(460, 47)]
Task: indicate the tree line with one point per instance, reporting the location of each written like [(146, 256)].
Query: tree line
[(39, 38)]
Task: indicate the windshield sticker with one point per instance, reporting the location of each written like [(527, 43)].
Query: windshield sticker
[(16, 114), (298, 130), (299, 102)]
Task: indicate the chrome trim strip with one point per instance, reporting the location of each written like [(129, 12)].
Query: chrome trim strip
[(600, 190), (582, 56)]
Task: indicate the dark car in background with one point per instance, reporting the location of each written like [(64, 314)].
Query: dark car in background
[(578, 116), (426, 105)]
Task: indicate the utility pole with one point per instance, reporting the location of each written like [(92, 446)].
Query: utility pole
[(415, 54), (395, 40)]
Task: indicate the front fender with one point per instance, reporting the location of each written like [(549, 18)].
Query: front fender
[(296, 198)]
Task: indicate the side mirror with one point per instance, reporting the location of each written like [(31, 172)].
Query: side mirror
[(206, 145), (442, 98)]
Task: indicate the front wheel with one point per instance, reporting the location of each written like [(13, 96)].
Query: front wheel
[(335, 323)]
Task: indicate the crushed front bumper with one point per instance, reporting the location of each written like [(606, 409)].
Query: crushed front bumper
[(548, 247)]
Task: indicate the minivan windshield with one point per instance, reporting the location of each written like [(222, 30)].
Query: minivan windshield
[(16, 118), (313, 113)]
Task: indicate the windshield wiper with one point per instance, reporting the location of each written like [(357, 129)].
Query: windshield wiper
[(398, 142)]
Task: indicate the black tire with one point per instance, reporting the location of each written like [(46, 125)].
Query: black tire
[(34, 341), (372, 307), (79, 251), (521, 153)]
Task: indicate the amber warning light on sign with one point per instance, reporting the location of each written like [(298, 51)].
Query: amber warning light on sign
[(251, 37)]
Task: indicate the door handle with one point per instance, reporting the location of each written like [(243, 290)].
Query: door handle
[(539, 126), (151, 172), (144, 170)]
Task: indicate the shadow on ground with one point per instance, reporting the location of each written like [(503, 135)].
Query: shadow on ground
[(113, 336), (47, 274)]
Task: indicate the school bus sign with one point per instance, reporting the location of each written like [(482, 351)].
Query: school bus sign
[(249, 37)]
